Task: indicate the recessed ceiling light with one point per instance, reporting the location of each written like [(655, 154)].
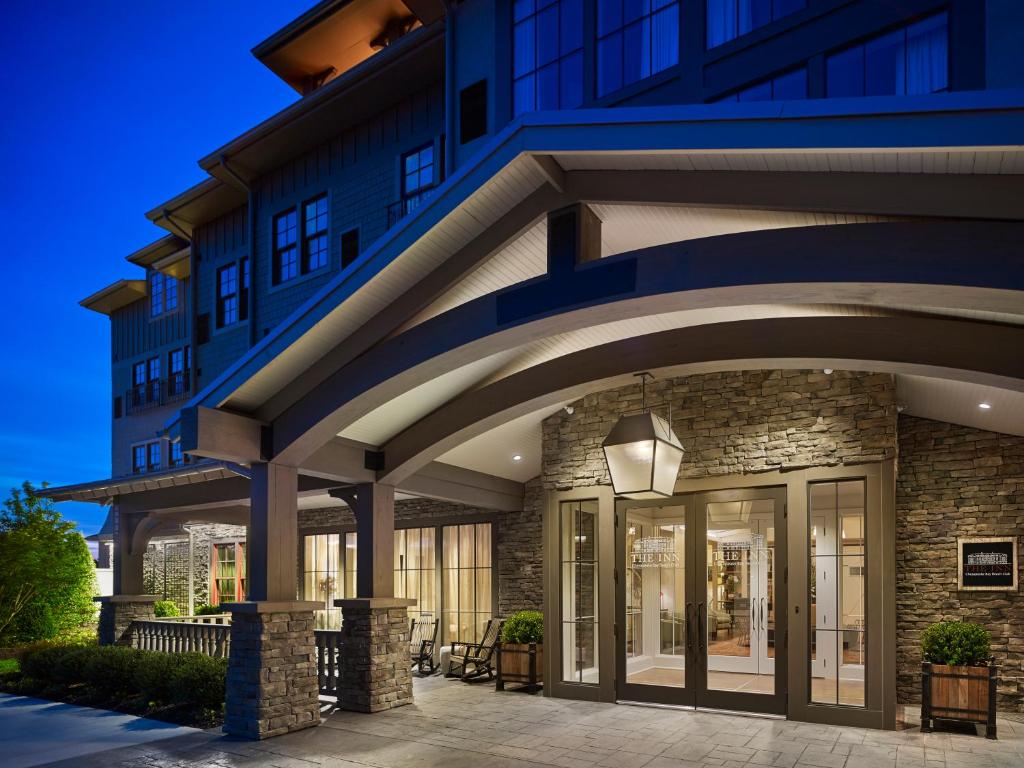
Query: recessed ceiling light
[(827, 371), (984, 406), (517, 457)]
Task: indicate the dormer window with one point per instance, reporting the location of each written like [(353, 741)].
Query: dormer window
[(163, 294)]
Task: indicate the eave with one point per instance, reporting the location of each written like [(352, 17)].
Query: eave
[(197, 205), (115, 296), (169, 255), (104, 491)]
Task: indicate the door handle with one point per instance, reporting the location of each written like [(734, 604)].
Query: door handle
[(763, 601), (702, 633), (689, 628)]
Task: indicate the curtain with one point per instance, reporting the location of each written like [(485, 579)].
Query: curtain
[(927, 56), (721, 20)]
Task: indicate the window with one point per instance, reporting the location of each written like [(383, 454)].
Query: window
[(153, 380), (321, 572), (349, 247), (138, 392), (547, 55), (153, 452), (138, 459), (314, 231), (178, 457), (417, 171), (286, 249), (227, 577), (179, 364), (909, 60), (465, 582), (838, 629), (728, 19), (634, 41), (578, 564), (473, 112), (232, 293), (792, 85), (416, 571), (163, 294)]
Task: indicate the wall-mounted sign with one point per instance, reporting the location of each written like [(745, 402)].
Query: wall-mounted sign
[(987, 564), (653, 552)]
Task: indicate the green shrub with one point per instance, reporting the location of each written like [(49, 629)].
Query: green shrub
[(69, 663), (957, 643), (40, 663), (110, 670), (207, 610), (9, 666), (199, 680), (524, 627), (164, 609), (153, 675)]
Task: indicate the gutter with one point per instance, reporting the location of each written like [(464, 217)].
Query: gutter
[(449, 87), (250, 212)]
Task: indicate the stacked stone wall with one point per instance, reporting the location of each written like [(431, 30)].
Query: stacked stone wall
[(955, 482), (735, 422)]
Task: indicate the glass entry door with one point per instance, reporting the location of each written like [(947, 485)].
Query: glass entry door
[(701, 607)]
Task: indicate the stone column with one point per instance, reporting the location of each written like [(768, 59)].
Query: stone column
[(117, 613), (272, 685), (375, 673)]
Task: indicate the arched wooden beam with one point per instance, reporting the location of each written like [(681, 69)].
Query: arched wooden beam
[(923, 344), (949, 264)]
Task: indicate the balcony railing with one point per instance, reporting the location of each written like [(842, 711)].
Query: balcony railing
[(407, 205), (329, 647), (208, 635), (153, 394)]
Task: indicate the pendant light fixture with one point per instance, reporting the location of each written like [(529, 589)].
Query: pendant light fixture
[(643, 453)]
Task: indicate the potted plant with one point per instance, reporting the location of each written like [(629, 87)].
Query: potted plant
[(521, 651), (958, 676)]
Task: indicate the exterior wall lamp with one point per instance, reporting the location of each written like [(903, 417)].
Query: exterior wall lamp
[(643, 453)]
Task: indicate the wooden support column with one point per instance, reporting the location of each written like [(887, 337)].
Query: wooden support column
[(373, 505), (118, 611), (273, 536), (127, 558)]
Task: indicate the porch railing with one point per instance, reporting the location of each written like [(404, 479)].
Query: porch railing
[(208, 637), (329, 647)]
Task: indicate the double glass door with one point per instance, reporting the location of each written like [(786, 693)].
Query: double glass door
[(700, 601)]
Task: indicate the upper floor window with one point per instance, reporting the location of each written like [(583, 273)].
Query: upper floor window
[(178, 457), (163, 294), (728, 19), (547, 55), (145, 457), (179, 364), (232, 293), (286, 248), (417, 171), (138, 459), (789, 86), (634, 41), (153, 379), (314, 241), (310, 241), (912, 59)]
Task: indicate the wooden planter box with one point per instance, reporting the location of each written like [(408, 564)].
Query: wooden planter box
[(522, 664), (960, 694)]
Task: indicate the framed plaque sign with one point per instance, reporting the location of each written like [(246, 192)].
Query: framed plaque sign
[(987, 564)]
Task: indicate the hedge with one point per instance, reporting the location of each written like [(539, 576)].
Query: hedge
[(113, 673)]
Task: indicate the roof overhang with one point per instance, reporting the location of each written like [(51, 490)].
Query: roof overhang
[(104, 491), (909, 133), (334, 36), (408, 66), (115, 296), (169, 255), (197, 205)]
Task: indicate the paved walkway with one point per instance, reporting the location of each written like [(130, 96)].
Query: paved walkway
[(34, 732), (453, 725)]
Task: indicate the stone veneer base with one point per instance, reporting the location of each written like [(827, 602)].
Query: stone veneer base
[(375, 674), (272, 686)]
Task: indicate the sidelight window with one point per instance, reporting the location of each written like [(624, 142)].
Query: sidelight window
[(634, 41), (838, 630), (578, 565)]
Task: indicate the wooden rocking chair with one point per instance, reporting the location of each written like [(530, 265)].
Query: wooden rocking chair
[(469, 661), (422, 637)]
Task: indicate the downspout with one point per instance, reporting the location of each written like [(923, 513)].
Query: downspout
[(193, 290), (449, 87), (250, 210)]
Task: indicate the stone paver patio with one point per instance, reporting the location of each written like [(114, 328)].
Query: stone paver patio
[(452, 725)]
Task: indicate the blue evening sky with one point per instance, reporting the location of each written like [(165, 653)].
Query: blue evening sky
[(107, 105)]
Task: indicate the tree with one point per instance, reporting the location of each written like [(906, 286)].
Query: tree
[(47, 576)]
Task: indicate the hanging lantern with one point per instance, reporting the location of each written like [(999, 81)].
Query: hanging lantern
[(643, 453)]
